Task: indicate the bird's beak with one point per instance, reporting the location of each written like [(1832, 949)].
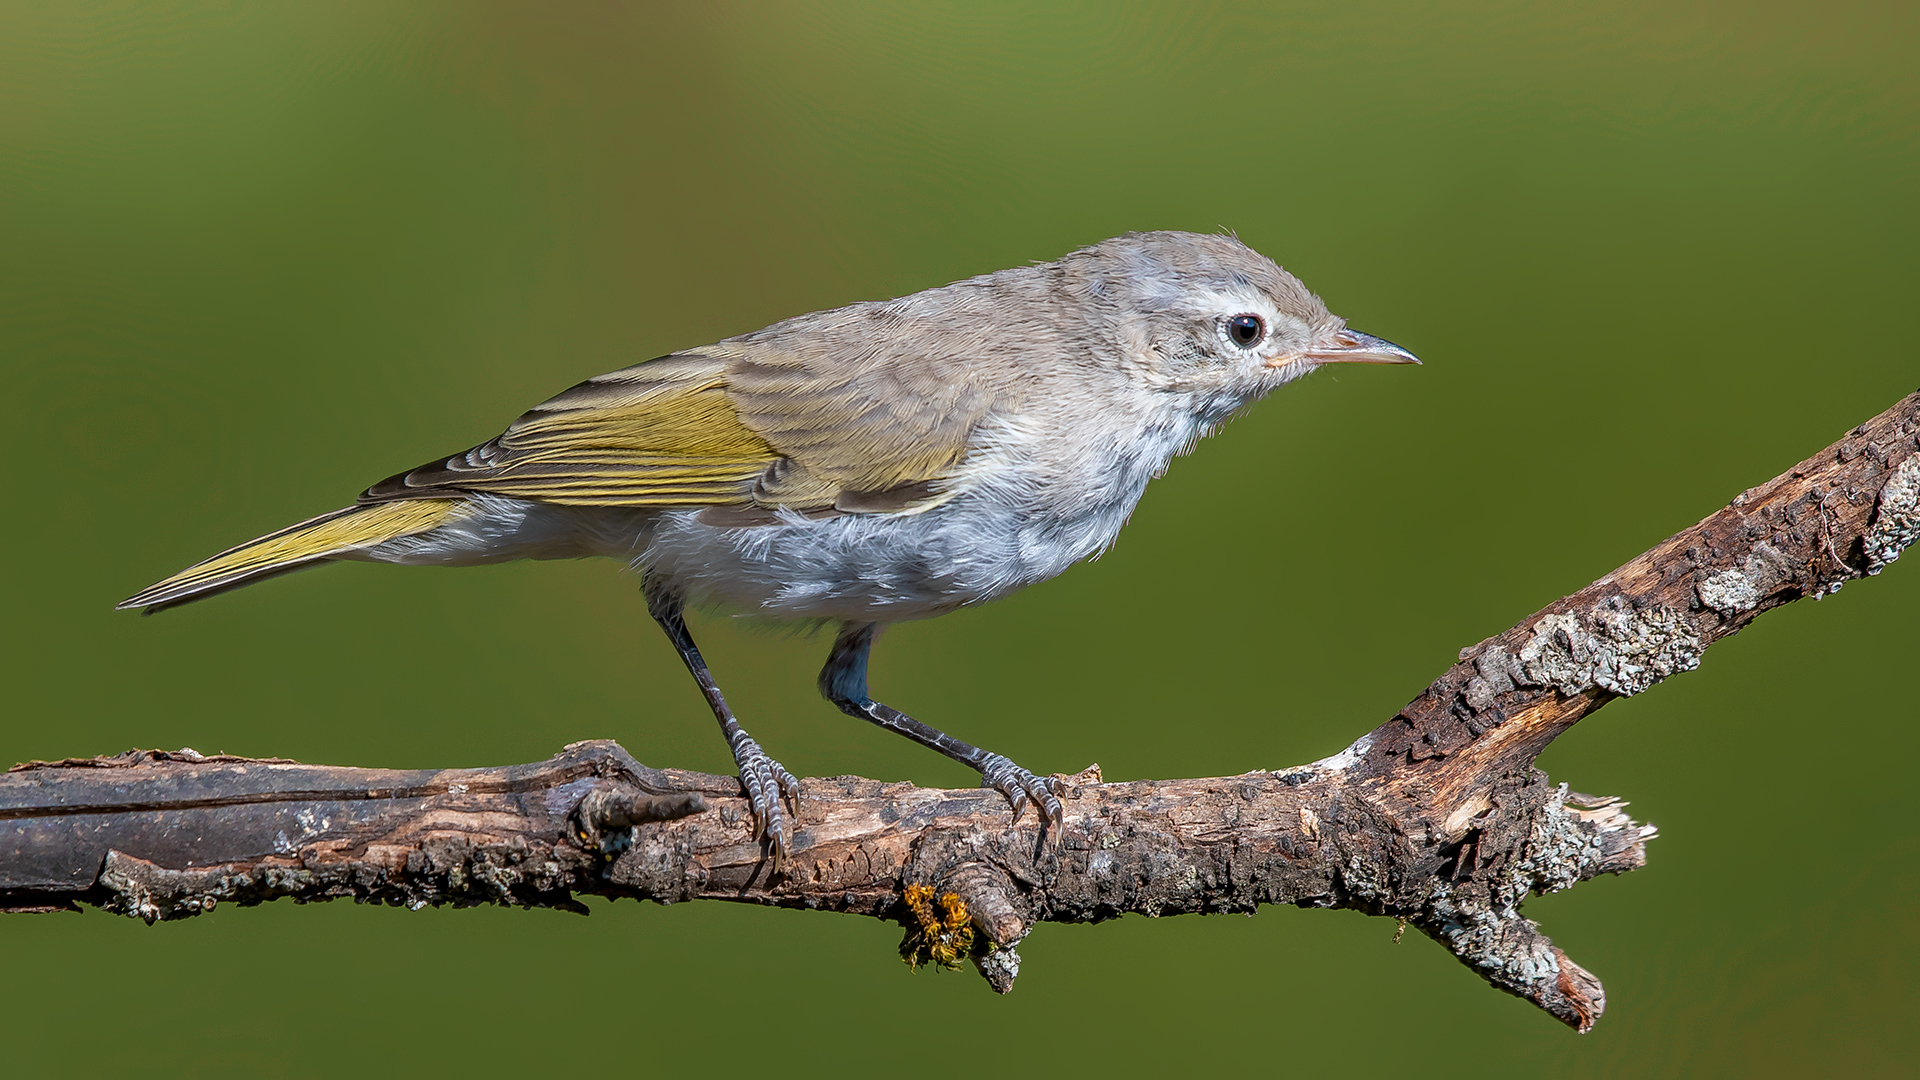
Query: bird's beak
[(1354, 347)]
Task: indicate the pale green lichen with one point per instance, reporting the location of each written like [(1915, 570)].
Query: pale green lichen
[(1614, 648), (1896, 520), (1742, 588), (1566, 846)]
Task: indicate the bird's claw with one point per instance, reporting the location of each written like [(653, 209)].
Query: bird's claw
[(768, 784), (1019, 786)]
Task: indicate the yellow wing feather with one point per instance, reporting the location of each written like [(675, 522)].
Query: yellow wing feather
[(661, 433), (296, 546)]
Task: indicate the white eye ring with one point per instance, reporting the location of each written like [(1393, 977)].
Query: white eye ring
[(1245, 330)]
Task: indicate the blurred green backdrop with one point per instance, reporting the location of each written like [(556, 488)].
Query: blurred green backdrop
[(255, 256)]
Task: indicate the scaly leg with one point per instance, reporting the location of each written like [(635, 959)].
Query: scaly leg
[(844, 682), (765, 780)]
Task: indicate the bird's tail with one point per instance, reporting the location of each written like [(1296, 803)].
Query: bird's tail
[(295, 547)]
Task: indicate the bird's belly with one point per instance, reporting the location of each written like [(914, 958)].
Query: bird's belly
[(874, 568), (860, 568)]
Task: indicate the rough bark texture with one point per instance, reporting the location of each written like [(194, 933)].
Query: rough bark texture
[(1437, 817)]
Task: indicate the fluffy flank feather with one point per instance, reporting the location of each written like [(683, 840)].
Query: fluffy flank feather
[(295, 547)]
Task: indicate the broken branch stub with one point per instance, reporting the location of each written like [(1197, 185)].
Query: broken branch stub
[(1437, 817)]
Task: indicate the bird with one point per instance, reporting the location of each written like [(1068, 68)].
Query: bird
[(876, 463)]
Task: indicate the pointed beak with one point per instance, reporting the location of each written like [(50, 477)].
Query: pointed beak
[(1354, 347)]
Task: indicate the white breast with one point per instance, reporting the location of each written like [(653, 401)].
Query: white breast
[(1017, 518)]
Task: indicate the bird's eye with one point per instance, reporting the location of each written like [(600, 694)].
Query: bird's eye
[(1246, 330)]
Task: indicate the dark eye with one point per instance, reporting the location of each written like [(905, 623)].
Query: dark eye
[(1246, 330)]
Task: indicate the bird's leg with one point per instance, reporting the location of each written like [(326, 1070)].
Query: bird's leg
[(765, 780), (844, 682)]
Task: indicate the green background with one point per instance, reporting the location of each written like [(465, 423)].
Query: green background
[(253, 257)]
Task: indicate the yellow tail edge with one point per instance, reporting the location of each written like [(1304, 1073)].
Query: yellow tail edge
[(294, 548)]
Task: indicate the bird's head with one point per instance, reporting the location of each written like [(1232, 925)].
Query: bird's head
[(1208, 317)]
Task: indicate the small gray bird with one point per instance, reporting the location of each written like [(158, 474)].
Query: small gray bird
[(884, 461)]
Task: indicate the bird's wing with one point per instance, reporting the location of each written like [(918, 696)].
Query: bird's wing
[(735, 425), (660, 433), (866, 421)]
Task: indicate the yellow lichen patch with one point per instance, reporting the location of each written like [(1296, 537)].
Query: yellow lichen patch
[(944, 937)]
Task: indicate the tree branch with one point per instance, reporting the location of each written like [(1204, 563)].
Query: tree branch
[(1437, 816)]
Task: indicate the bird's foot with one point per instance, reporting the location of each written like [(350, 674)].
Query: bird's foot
[(1019, 786), (768, 784)]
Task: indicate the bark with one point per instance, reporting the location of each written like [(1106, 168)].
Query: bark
[(1437, 817)]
